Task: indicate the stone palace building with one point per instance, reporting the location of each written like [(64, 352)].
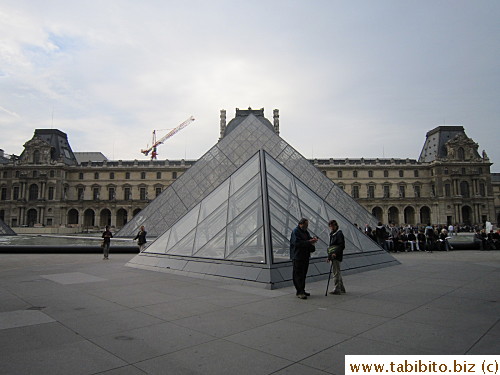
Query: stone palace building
[(50, 187)]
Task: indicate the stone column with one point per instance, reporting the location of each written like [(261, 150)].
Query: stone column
[(276, 118), (222, 123)]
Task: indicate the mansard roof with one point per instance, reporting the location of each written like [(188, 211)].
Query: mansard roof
[(435, 142), (60, 149)]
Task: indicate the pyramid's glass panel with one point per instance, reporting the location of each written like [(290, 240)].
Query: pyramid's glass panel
[(212, 225), (243, 226), (245, 173), (281, 246), (183, 227), (281, 220), (318, 224), (277, 171), (251, 250), (284, 197), (215, 248), (184, 246), (367, 244), (160, 244), (219, 196), (244, 197), (284, 215)]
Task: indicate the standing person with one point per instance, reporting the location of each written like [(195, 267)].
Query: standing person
[(301, 247), (107, 236), (337, 245), (141, 238), (381, 235), (429, 237)]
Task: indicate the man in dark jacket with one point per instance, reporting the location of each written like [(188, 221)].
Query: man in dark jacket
[(301, 247), (337, 243)]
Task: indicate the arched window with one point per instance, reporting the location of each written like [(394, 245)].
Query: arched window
[(461, 153), (73, 216)]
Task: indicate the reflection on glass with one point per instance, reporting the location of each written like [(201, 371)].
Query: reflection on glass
[(244, 197), (239, 229), (245, 173), (285, 198), (275, 170), (281, 246), (184, 246), (159, 245), (183, 227), (207, 229), (252, 250), (214, 248)]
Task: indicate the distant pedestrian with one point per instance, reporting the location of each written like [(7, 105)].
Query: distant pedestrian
[(107, 236), (141, 238), (301, 247), (335, 254)]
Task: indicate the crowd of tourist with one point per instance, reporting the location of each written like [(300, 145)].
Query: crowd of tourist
[(429, 238)]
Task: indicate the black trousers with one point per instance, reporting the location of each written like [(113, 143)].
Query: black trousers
[(300, 268)]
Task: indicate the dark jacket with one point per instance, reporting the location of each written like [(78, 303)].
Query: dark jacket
[(141, 237), (300, 247), (338, 240), (381, 233), (107, 235)]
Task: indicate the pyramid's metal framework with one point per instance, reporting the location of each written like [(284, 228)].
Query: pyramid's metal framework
[(230, 215)]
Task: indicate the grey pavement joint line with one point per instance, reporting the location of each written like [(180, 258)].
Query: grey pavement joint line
[(480, 338)]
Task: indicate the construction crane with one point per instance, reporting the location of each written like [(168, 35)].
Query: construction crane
[(158, 142)]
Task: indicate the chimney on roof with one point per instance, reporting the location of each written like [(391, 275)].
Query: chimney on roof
[(222, 123), (276, 117)]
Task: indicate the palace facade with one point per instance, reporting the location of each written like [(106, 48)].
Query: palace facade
[(50, 186)]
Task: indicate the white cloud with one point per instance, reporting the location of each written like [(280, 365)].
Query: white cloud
[(350, 79)]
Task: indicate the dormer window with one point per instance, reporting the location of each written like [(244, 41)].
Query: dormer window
[(461, 153)]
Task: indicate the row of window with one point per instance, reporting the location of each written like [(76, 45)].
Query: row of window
[(81, 175), (127, 193), (33, 193), (386, 191), (34, 174), (464, 190), (355, 174)]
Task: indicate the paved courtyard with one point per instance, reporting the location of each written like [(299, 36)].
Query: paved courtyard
[(78, 314)]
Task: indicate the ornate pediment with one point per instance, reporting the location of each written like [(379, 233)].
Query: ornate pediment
[(36, 151), (463, 148)]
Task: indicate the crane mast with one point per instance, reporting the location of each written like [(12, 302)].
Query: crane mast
[(156, 143)]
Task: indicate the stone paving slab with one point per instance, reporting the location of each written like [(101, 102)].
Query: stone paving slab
[(74, 313)]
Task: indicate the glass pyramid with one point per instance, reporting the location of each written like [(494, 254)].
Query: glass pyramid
[(221, 161), (5, 230), (249, 219), (231, 215)]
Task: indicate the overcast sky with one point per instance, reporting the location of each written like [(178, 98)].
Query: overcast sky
[(350, 78)]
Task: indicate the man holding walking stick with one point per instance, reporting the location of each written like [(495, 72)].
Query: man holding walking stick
[(335, 255)]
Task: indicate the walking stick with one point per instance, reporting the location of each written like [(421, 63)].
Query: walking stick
[(329, 276)]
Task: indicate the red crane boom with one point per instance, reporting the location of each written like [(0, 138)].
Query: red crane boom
[(158, 142)]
